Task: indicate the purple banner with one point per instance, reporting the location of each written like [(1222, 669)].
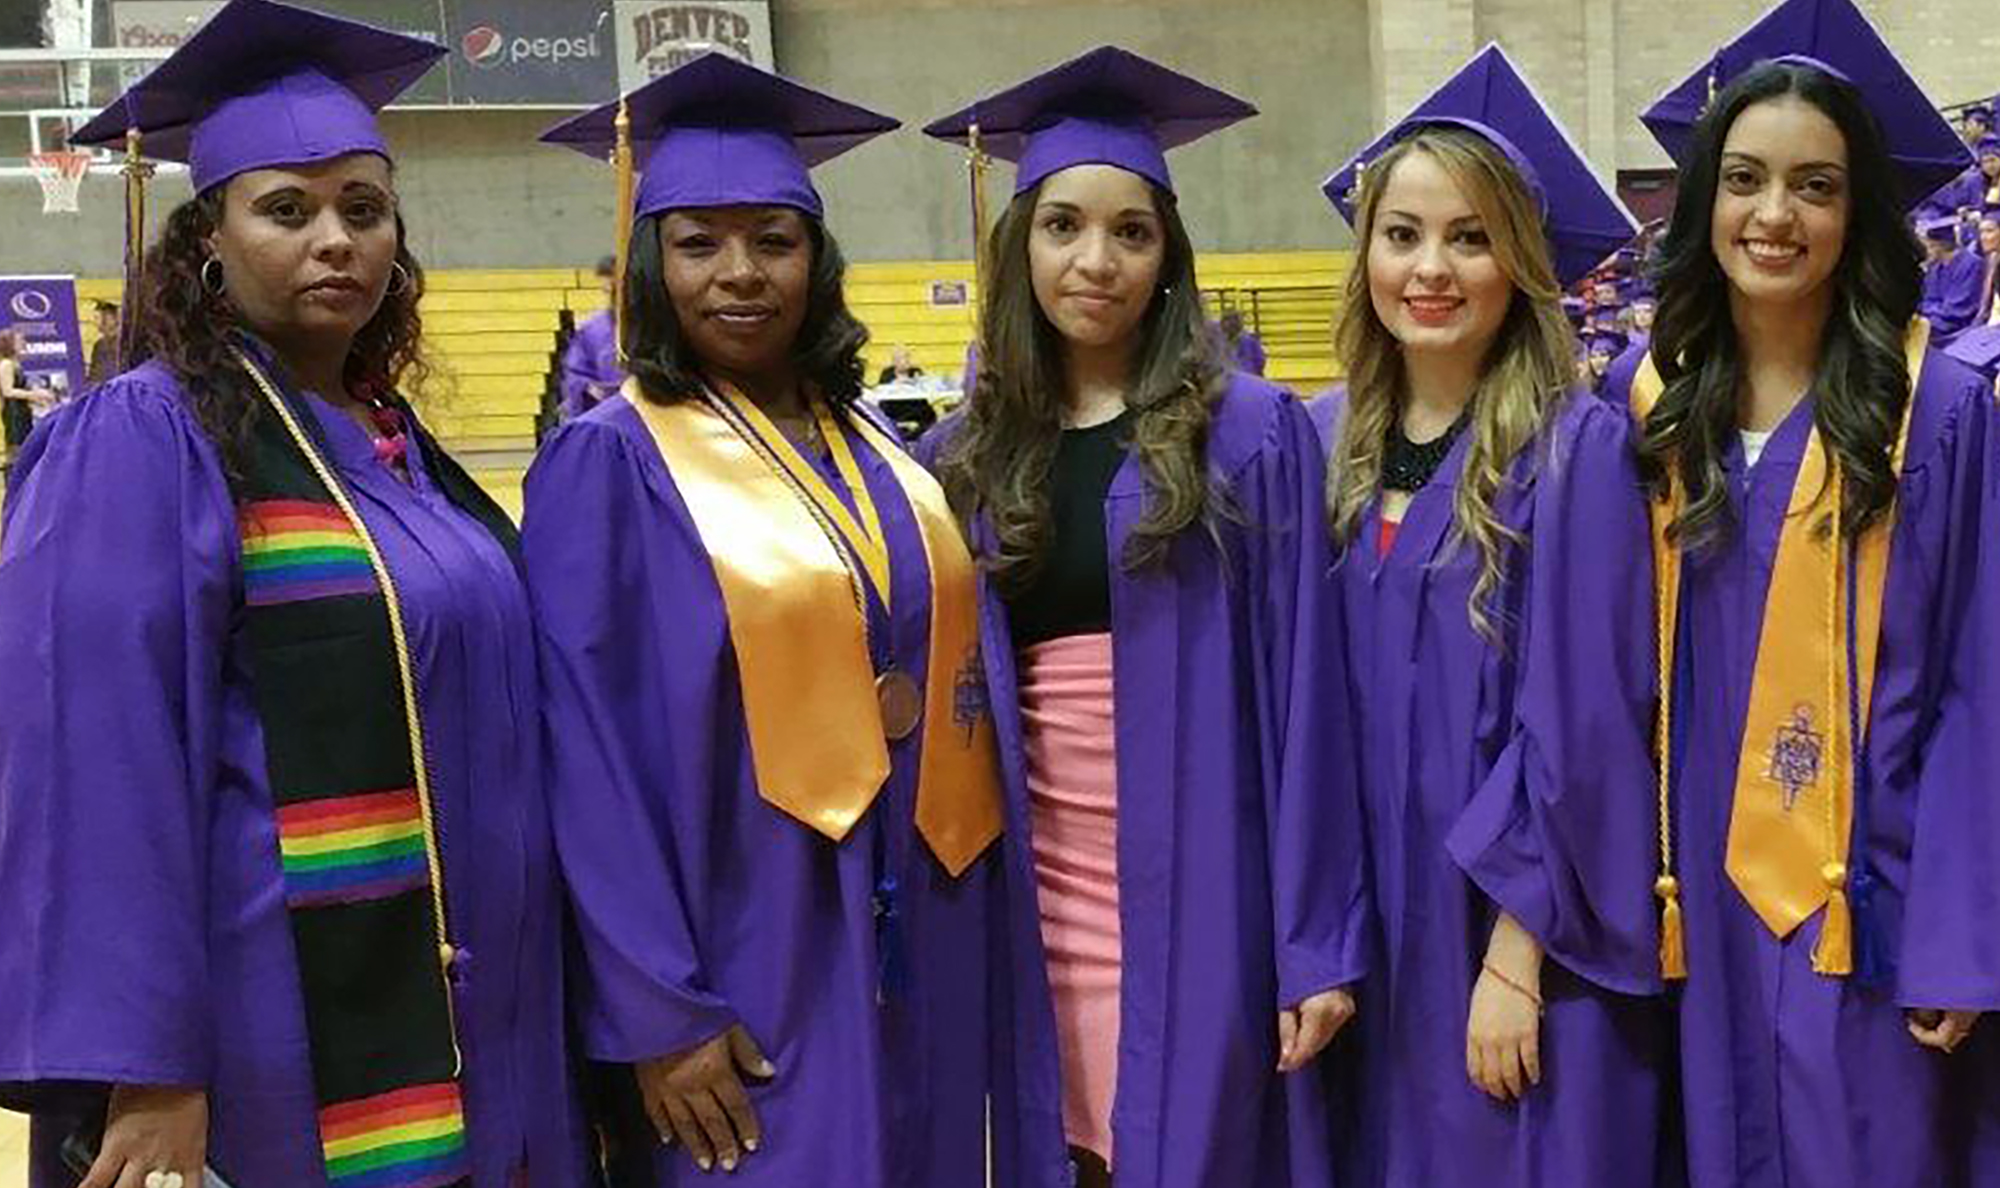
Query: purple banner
[(40, 311)]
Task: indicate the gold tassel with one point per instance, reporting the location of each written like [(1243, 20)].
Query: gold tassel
[(137, 170), (1673, 945), (621, 160), (976, 165), (1834, 955)]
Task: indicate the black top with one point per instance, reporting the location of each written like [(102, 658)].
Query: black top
[(1071, 592)]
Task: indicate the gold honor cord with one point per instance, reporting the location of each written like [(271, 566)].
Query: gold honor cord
[(862, 542), (419, 756)]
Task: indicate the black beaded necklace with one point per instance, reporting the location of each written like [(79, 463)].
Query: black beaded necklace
[(1409, 465)]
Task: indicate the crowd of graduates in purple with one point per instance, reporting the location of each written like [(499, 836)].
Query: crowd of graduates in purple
[(1561, 755)]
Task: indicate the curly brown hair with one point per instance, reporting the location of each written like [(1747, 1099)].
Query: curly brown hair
[(190, 329), (999, 460)]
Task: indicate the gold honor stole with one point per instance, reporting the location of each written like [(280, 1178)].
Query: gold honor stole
[(1793, 808), (786, 552)]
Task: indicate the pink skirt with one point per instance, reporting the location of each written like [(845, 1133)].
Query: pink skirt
[(1072, 761)]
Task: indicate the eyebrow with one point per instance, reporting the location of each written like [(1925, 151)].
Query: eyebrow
[(1130, 212), (1404, 214), (1757, 160)]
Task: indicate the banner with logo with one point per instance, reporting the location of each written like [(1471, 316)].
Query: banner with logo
[(40, 311), (654, 36), (531, 52)]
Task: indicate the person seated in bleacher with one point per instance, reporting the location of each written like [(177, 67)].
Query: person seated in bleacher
[(590, 370), (901, 367), (277, 893), (775, 778), (1240, 346)]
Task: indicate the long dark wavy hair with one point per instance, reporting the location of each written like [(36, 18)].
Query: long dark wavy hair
[(190, 329), (659, 356), (1862, 384), (998, 462)]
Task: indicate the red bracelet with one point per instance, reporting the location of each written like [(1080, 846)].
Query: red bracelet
[(1513, 985)]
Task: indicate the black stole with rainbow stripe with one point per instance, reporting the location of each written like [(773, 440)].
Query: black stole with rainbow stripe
[(358, 844)]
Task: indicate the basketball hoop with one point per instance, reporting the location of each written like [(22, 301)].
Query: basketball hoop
[(61, 176)]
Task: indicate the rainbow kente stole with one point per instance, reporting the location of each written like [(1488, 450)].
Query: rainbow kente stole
[(336, 697), (1792, 814)]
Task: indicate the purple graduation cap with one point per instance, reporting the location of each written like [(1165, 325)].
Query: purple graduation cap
[(1979, 346), (720, 132), (1944, 230), (265, 84), (1833, 36), (1108, 107), (1606, 344), (1585, 222), (1989, 146)]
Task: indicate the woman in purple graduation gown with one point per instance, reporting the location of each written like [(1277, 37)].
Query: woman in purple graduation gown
[(1492, 536), (277, 890), (1829, 501), (1183, 850), (773, 773)]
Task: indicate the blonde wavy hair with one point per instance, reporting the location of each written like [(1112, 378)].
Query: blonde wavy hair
[(1529, 370)]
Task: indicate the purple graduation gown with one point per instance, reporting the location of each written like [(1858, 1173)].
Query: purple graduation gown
[(143, 931), (1513, 776), (1792, 1079), (1952, 291), (590, 371), (700, 905), (1240, 878)]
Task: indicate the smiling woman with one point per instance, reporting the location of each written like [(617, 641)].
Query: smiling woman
[(775, 778)]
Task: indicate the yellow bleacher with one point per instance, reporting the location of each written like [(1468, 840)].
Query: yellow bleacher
[(493, 336)]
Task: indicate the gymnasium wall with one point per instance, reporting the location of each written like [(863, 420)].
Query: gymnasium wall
[(480, 193)]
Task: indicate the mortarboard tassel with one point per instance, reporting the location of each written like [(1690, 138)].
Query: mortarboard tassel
[(621, 160), (976, 164), (137, 169), (1673, 942)]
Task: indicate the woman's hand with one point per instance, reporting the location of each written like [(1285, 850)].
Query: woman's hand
[(1941, 1031), (697, 1097), (1305, 1030), (152, 1129), (1503, 1035)]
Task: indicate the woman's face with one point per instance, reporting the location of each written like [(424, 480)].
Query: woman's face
[(1989, 236), (1782, 202), (307, 250), (740, 279), (1432, 276), (1095, 252), (1989, 164)]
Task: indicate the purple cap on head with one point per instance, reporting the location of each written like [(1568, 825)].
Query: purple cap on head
[(717, 131), (1832, 36), (1943, 230), (1989, 146), (265, 84), (1606, 344), (1108, 107), (1585, 222)]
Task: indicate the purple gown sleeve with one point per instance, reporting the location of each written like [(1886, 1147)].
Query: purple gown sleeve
[(1319, 887), (116, 587), (1950, 955), (1560, 833), (625, 601)]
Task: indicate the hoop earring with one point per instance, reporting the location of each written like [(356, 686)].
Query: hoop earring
[(400, 282), (213, 288)]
